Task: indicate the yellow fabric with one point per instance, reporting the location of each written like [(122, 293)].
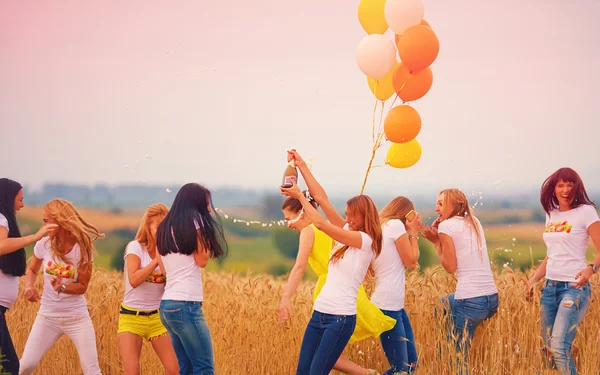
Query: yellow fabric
[(147, 327), (370, 321)]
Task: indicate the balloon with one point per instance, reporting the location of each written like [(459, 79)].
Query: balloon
[(371, 17), (403, 14), (423, 22), (383, 88), (402, 124), (418, 48), (411, 87), (375, 55), (404, 155)]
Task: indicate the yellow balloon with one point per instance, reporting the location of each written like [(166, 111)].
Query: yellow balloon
[(383, 88), (371, 16), (404, 155)]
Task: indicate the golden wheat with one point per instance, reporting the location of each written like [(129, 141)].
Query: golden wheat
[(242, 315)]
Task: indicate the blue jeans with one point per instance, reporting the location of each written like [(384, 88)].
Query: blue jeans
[(324, 341), (399, 343), (467, 314), (190, 336), (563, 310)]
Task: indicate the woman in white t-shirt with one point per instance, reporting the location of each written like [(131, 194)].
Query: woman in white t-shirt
[(187, 238), (358, 244), (460, 244), (66, 257), (139, 316), (400, 249), (12, 263), (571, 221)]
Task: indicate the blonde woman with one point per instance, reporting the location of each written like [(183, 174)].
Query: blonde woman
[(461, 247), (144, 287), (66, 257), (400, 226)]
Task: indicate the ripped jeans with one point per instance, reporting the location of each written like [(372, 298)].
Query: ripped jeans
[(563, 310)]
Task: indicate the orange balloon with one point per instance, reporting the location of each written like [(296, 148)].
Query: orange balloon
[(418, 48), (423, 22), (409, 86), (402, 124)]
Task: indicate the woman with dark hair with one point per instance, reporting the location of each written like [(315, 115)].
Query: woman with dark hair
[(314, 249), (12, 262), (187, 238), (571, 219), (358, 242)]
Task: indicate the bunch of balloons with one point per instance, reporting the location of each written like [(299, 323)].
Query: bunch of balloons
[(410, 78)]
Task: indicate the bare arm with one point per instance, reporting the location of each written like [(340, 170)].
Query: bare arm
[(31, 292), (9, 245), (346, 237), (447, 253), (307, 238), (408, 249), (317, 191), (201, 255), (79, 287), (137, 275)]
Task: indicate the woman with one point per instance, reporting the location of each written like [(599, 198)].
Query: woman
[(358, 244), (144, 287), (186, 239), (400, 249), (570, 222), (66, 255), (12, 262), (461, 247), (314, 249)]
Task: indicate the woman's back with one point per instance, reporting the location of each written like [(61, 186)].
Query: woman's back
[(474, 273)]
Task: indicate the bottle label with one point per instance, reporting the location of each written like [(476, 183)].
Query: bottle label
[(288, 180)]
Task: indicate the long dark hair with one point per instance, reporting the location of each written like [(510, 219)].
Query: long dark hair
[(577, 197), (15, 263), (177, 232)]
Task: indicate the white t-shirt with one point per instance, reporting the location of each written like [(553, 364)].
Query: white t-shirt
[(9, 285), (338, 296), (389, 270), (54, 304), (184, 277), (474, 273), (147, 295), (567, 238)]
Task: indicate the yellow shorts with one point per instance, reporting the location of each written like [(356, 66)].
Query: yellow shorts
[(147, 327)]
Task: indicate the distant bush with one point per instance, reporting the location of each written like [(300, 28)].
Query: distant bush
[(286, 241), (279, 269)]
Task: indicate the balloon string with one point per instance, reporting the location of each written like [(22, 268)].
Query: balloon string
[(373, 122), (376, 145)]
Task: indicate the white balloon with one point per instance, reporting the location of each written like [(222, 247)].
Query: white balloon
[(403, 14), (376, 55)]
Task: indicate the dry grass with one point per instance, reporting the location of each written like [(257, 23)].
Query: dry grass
[(242, 312)]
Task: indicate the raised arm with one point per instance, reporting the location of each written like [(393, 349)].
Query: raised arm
[(346, 237), (316, 190)]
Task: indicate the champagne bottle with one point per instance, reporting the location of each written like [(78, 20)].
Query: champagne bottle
[(290, 174)]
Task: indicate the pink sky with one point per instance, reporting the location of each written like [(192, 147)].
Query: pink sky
[(217, 91)]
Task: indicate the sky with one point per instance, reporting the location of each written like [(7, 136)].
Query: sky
[(215, 92)]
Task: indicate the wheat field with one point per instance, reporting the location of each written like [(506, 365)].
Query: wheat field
[(242, 315)]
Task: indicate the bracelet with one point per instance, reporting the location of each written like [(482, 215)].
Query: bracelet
[(413, 236), (62, 288)]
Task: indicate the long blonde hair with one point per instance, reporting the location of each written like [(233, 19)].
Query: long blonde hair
[(143, 236), (364, 206), (396, 209), (71, 221), (459, 201)]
